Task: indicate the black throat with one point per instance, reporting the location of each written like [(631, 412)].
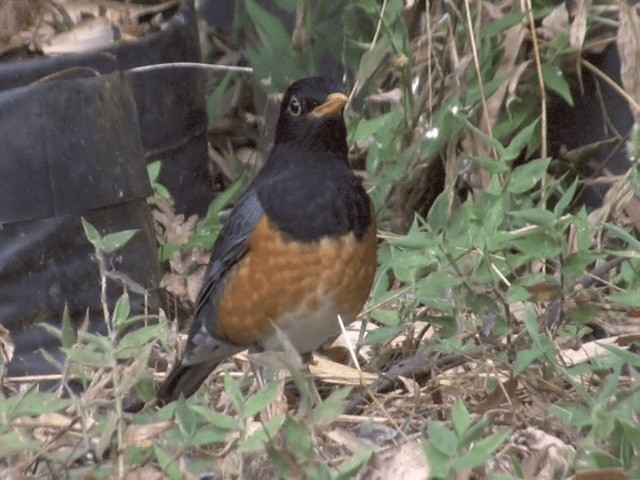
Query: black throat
[(312, 193)]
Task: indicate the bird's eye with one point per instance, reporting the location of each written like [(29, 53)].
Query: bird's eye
[(294, 106)]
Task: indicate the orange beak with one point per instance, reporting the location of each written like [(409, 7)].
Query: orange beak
[(333, 105)]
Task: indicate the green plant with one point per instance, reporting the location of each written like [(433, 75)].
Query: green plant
[(463, 448)]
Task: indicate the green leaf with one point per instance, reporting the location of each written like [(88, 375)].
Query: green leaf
[(31, 403), (524, 358), (207, 229), (232, 389), (460, 417), (386, 317), (166, 251), (409, 264), (92, 234), (624, 355), (94, 340), (261, 399), (486, 139), (492, 442), (137, 372), (525, 177), (537, 244), (153, 170), (208, 436), (353, 464), (330, 408), (270, 29), (435, 289), (67, 332), (213, 99), (442, 438), (531, 323), (438, 216), (482, 450), (555, 81), (576, 264), (566, 198), (474, 432), (266, 433), (382, 334), (298, 439), (500, 25), (445, 125), (135, 340), (517, 293), (185, 417), (87, 356), (628, 298), (168, 464), (217, 419), (490, 87), (492, 165), (573, 414), (121, 310), (519, 142), (366, 128), (115, 241), (535, 216), (13, 443), (439, 462), (620, 232), (371, 59)]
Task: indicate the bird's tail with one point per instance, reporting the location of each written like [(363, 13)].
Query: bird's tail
[(184, 380)]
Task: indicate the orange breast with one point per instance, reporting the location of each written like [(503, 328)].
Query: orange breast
[(279, 276)]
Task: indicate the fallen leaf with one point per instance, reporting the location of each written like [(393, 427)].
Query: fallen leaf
[(629, 50), (6, 346), (348, 440), (594, 350), (549, 457), (403, 462), (142, 435), (556, 23), (497, 396), (332, 372), (602, 474), (578, 29)]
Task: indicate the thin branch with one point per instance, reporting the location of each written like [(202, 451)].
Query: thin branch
[(605, 78), (356, 85), (194, 65), (476, 64), (543, 93)]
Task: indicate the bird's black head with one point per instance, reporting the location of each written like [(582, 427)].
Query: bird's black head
[(311, 115)]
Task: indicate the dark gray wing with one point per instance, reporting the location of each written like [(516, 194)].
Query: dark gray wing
[(204, 351), (229, 248)]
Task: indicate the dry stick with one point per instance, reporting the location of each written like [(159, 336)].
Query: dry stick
[(543, 94), (354, 358), (356, 85), (553, 312), (418, 367), (427, 7), (605, 78), (543, 101), (194, 65), (476, 64)]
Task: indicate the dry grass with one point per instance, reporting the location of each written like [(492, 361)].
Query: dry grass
[(525, 369)]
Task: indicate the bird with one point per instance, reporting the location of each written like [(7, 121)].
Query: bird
[(297, 250)]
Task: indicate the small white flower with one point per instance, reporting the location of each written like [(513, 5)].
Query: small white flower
[(455, 109), (432, 133)]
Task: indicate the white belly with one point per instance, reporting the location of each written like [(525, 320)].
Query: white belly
[(306, 335)]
